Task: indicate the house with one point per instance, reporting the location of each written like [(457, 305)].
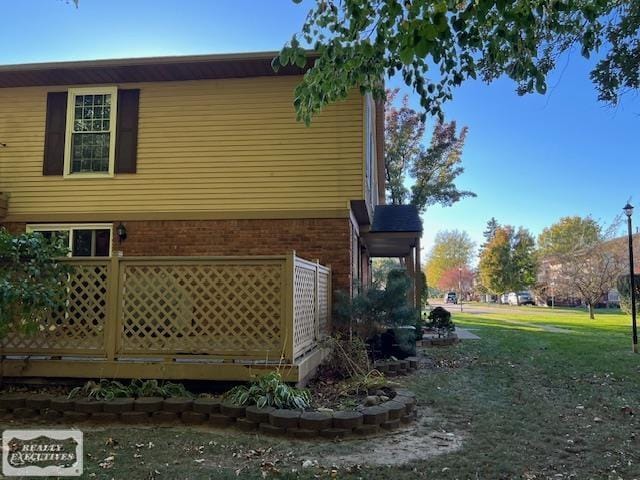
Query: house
[(554, 288), (183, 186)]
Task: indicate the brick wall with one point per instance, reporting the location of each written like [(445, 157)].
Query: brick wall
[(324, 239)]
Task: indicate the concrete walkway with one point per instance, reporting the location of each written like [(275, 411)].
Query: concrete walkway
[(464, 334)]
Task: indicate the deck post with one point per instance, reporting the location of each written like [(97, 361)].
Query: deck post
[(329, 325), (111, 319), (289, 318), (316, 301)]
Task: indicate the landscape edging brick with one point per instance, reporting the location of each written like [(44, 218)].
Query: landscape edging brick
[(291, 423)]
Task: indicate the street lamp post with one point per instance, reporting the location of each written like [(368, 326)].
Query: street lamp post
[(460, 285), (628, 211)]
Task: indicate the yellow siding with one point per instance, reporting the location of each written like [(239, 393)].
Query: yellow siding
[(203, 146)]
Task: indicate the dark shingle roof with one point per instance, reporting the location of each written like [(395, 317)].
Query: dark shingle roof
[(396, 218), (152, 69)]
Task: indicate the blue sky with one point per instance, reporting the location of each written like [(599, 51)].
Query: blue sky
[(530, 159)]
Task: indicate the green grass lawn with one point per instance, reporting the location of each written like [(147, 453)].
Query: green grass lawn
[(538, 404), (529, 404)]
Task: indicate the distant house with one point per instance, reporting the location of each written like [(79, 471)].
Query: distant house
[(549, 288)]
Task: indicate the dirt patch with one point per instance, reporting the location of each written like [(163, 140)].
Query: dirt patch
[(419, 442)]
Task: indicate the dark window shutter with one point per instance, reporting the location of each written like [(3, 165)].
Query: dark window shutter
[(127, 131), (55, 130)]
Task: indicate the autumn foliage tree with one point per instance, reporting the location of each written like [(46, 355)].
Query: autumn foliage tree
[(417, 174), (452, 249), (508, 260), (567, 234), (493, 266), (457, 279)]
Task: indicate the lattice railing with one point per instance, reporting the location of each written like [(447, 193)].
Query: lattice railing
[(232, 308), (324, 299), (311, 308), (202, 308), (304, 307), (78, 328)]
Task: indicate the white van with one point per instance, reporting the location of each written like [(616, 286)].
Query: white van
[(520, 298)]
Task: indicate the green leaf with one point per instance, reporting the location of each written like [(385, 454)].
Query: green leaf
[(301, 60), (275, 64), (406, 55), (422, 48)]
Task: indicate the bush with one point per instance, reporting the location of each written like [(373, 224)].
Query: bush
[(32, 283), (270, 391), (153, 388), (101, 390), (110, 389), (420, 325), (376, 308), (440, 320)]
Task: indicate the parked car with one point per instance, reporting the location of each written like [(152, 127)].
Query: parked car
[(504, 299), (451, 297), (520, 298)]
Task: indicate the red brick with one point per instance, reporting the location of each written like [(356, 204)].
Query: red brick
[(325, 239)]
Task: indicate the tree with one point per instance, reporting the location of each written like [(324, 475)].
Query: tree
[(451, 249), (403, 136), (590, 273), (32, 283), (489, 233), (457, 279), (623, 285), (589, 268), (381, 268), (433, 169), (619, 71), (494, 264), (566, 234), (436, 45), (523, 259), (508, 261)]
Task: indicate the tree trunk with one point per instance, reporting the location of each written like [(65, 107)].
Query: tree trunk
[(591, 313)]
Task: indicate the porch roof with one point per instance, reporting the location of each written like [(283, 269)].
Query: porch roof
[(396, 229)]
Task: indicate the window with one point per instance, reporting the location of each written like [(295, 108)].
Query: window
[(90, 137), (83, 240)]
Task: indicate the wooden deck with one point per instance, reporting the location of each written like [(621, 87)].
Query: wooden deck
[(206, 318)]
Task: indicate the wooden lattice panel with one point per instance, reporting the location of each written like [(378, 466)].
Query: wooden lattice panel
[(76, 329), (323, 301), (204, 309), (304, 291)]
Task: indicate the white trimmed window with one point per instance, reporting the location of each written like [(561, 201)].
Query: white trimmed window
[(91, 131), (83, 240)]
